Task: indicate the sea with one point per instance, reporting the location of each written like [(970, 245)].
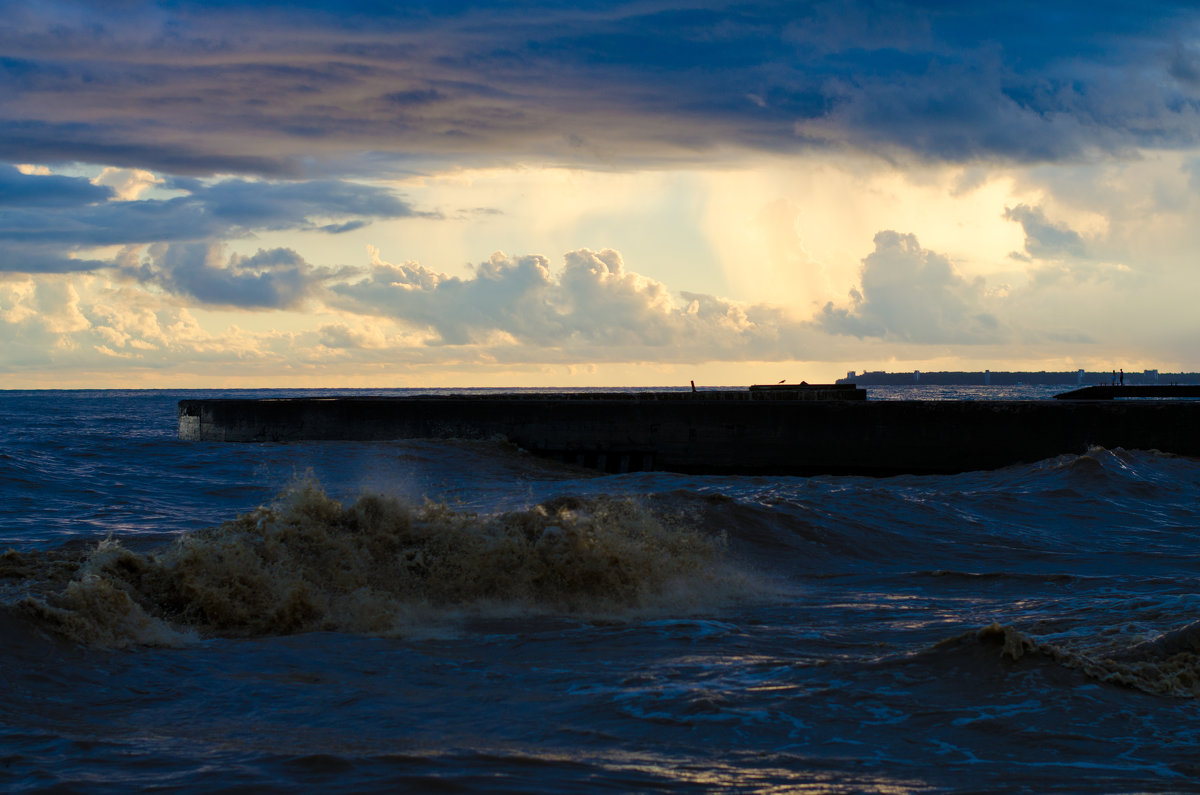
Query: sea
[(460, 616)]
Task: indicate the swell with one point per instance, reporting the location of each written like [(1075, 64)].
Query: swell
[(378, 565), (1101, 512)]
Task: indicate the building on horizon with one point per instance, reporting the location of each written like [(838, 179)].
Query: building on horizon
[(1012, 378)]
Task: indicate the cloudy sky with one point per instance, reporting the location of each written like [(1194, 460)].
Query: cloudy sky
[(446, 193)]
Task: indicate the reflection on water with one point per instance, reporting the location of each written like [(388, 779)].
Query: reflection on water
[(549, 630)]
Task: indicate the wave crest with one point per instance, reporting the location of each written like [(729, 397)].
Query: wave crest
[(380, 565), (1167, 668)]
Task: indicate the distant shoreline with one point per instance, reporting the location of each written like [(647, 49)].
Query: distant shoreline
[(1013, 378)]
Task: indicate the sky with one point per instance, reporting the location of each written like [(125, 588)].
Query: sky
[(442, 193)]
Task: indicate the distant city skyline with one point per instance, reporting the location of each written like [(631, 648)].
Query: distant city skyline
[(1009, 377), (592, 194)]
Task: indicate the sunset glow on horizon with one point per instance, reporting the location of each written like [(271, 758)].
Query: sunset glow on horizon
[(594, 194)]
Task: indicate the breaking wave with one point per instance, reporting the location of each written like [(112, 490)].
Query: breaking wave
[(378, 565), (1168, 665)]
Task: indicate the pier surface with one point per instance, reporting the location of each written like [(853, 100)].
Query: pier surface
[(1156, 391), (722, 432)]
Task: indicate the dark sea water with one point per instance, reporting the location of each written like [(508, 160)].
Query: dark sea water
[(462, 617)]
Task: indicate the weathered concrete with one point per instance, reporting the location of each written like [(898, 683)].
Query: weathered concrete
[(802, 391), (1156, 391), (705, 433)]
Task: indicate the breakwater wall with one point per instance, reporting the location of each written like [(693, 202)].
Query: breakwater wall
[(706, 433)]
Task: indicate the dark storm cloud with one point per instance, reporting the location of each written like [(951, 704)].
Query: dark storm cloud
[(17, 189), (44, 218), (259, 205), (281, 90), (123, 144)]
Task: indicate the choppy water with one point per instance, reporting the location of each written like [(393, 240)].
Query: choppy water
[(462, 617)]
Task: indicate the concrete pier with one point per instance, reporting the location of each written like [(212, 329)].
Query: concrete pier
[(1155, 391), (713, 432)]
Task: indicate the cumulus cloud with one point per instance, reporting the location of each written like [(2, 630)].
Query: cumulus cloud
[(50, 310), (1045, 239), (910, 294), (593, 304), (127, 184), (509, 311), (512, 295), (1062, 259), (49, 322), (89, 324), (342, 336), (269, 279), (246, 88)]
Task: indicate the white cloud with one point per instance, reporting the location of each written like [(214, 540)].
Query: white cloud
[(127, 184), (593, 309), (913, 295), (52, 322), (361, 336)]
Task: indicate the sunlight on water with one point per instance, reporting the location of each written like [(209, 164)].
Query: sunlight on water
[(462, 616)]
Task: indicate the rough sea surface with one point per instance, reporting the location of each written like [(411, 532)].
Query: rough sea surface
[(462, 617)]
